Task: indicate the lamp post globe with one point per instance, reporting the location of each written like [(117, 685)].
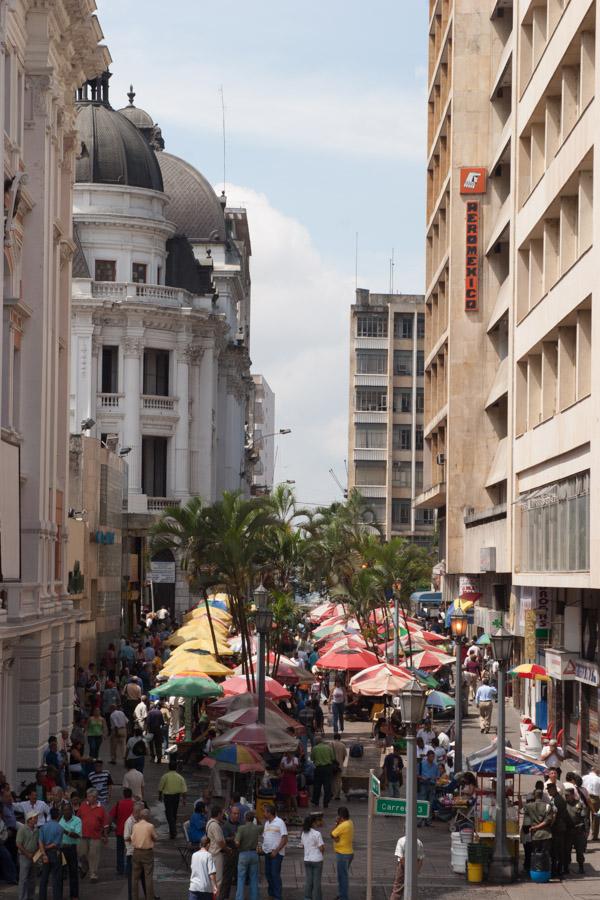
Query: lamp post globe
[(458, 625), (263, 620), (412, 703), (502, 869), (502, 644)]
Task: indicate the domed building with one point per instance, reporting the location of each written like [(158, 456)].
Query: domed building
[(160, 318)]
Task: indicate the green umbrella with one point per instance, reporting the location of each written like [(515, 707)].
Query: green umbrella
[(423, 677), (189, 686), (484, 639), (439, 700)]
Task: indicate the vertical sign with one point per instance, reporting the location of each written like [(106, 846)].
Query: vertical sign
[(472, 257), (543, 612)]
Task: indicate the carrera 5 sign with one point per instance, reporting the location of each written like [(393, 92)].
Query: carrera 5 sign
[(472, 257)]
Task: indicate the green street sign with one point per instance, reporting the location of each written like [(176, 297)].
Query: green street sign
[(391, 806), (510, 770), (375, 786)]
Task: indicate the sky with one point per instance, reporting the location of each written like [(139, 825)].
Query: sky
[(325, 108)]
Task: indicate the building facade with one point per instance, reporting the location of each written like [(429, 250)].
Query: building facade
[(385, 444), (161, 322), (262, 432), (47, 50), (511, 411)]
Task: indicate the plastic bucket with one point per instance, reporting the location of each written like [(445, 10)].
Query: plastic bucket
[(540, 877), (458, 858), (475, 872)]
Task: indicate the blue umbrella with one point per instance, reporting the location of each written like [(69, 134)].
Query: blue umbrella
[(439, 700)]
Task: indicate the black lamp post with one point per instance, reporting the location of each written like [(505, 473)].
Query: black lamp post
[(458, 626), (412, 707), (263, 620), (502, 869)]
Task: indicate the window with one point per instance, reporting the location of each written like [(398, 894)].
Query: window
[(401, 512), (402, 437), (402, 400), (420, 400), (420, 362), (403, 325), (371, 362), (403, 362), (154, 466), (156, 372), (419, 437), (402, 474), (555, 526), (110, 370), (371, 400), (159, 275), (138, 273), (419, 476), (371, 326), (420, 325), (424, 517), (370, 473), (371, 437), (105, 270)]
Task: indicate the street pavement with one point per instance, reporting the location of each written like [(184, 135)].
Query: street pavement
[(436, 879)]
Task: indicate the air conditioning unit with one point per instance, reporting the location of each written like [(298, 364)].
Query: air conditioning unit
[(440, 459)]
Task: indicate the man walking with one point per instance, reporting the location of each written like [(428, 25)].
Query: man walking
[(154, 727), (118, 734), (484, 698), (120, 812), (577, 837), (143, 839), (216, 846), (338, 706), (427, 775), (339, 752), (275, 838), (323, 758), (27, 846), (138, 806), (558, 829), (247, 841), (94, 831), (101, 781), (50, 843), (71, 826), (538, 817), (591, 782), (399, 853), (392, 767), (230, 860), (171, 789)]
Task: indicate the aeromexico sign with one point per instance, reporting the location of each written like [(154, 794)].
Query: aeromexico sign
[(473, 181)]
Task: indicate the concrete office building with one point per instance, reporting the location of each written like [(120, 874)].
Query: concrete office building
[(385, 443), (510, 408), (262, 436)]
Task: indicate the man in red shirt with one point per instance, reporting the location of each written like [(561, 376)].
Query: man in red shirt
[(94, 833), (120, 813)]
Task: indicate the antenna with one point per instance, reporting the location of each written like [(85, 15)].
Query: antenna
[(356, 263), (339, 484), (224, 141), (392, 272)]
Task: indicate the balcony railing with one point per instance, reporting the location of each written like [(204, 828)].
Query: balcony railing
[(159, 504), (155, 294), (110, 401), (154, 403)]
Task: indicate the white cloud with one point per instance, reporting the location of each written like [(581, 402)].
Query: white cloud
[(299, 342)]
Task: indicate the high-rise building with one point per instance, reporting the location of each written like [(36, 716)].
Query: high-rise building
[(385, 443), (510, 409), (262, 435), (46, 51)]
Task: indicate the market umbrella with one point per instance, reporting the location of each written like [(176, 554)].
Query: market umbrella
[(380, 679), (425, 678), (249, 716), (200, 686), (197, 662), (259, 737), (204, 645), (439, 700), (434, 638), (325, 611), (347, 660), (234, 758), (458, 604), (237, 684), (484, 640), (287, 670), (345, 642), (531, 671), (485, 761), (431, 659), (237, 701)]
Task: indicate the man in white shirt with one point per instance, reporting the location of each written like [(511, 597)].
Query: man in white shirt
[(426, 732), (32, 804), (203, 874), (275, 838), (134, 779), (118, 734), (140, 713), (552, 755), (591, 783), (127, 830), (398, 887)]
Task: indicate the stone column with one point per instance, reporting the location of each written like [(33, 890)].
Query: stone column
[(204, 419), (56, 680), (33, 659), (132, 352), (184, 355)]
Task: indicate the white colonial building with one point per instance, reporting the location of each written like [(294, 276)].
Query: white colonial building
[(46, 51), (160, 319)]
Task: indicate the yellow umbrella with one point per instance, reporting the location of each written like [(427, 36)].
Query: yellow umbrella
[(201, 662), (200, 628), (216, 614), (205, 645)]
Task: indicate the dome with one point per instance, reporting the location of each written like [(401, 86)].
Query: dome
[(138, 117), (113, 151), (193, 205)]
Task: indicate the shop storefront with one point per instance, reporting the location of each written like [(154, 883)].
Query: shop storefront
[(587, 677)]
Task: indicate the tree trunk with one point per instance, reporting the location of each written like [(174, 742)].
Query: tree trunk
[(210, 624)]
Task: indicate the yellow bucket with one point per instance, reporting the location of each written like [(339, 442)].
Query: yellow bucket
[(488, 826), (475, 872)]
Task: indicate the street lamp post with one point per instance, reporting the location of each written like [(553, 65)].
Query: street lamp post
[(397, 589), (458, 626), (501, 864), (412, 707), (264, 620)]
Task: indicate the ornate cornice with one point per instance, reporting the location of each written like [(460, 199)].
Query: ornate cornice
[(132, 347)]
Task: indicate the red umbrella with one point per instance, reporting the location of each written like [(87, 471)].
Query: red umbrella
[(237, 684), (347, 660), (434, 638), (249, 716), (258, 737), (381, 679), (344, 642), (237, 701), (287, 671), (431, 659)]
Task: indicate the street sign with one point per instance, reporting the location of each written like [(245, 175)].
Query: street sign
[(375, 785), (391, 806)]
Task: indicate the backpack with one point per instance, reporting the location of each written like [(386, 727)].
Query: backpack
[(139, 748), (356, 751)]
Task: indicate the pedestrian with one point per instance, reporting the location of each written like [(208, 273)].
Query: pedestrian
[(101, 780), (275, 838), (552, 755), (136, 749), (428, 772), (306, 717), (8, 870), (154, 727), (203, 879), (559, 828), (538, 817), (343, 839), (138, 806), (340, 753), (399, 853), (50, 843), (591, 783), (484, 699), (392, 771), (247, 842), (27, 846), (288, 786), (143, 839), (197, 824), (96, 731), (134, 779), (140, 713), (323, 758), (338, 706), (230, 853), (171, 789), (118, 734), (132, 694), (216, 847), (94, 833), (577, 834), (119, 814), (314, 846), (32, 804), (71, 826), (426, 732)]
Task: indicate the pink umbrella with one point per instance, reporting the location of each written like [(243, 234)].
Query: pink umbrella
[(381, 679), (237, 684), (347, 660), (431, 658), (258, 737)]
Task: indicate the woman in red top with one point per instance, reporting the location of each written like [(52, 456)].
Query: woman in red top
[(119, 814)]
